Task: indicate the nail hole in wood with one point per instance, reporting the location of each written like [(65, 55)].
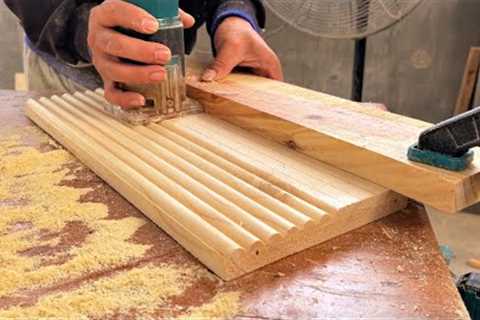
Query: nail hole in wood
[(292, 145)]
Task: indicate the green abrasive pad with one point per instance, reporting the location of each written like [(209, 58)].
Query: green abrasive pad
[(440, 160)]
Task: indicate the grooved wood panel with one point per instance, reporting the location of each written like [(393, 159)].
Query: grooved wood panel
[(234, 200), (364, 141)]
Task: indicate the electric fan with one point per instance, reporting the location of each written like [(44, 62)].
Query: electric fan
[(343, 19)]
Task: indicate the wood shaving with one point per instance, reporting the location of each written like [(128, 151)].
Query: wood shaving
[(474, 263)]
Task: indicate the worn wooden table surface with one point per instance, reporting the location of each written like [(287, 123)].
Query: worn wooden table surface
[(67, 239)]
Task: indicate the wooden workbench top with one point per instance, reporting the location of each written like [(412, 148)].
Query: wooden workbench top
[(72, 246)]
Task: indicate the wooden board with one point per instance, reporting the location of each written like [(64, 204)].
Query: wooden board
[(234, 200), (366, 142)]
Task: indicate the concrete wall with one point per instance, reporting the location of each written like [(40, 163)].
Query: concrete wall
[(415, 67), (10, 48)]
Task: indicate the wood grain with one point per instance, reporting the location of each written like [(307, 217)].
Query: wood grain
[(232, 218), (366, 142)]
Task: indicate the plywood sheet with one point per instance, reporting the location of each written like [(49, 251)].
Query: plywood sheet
[(236, 201), (364, 141)]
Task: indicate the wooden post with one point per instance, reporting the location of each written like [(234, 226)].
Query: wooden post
[(469, 81)]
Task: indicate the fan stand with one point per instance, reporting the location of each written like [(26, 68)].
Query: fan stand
[(359, 69), (359, 57)]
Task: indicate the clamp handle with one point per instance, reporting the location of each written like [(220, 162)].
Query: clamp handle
[(454, 136)]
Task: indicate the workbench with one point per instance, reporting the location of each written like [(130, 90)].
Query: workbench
[(388, 269)]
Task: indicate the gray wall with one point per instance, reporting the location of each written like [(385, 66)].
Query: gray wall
[(415, 67), (10, 48)]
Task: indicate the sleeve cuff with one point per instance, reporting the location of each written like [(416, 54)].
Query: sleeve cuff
[(245, 9), (217, 20)]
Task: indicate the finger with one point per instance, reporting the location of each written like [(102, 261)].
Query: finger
[(271, 70), (275, 71), (187, 19), (119, 45), (268, 67), (125, 99), (227, 59), (118, 13), (115, 70)]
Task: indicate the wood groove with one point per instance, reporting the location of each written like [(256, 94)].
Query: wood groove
[(256, 226), (273, 190), (322, 198), (161, 173), (266, 200), (230, 213), (183, 145), (170, 188), (148, 193), (304, 166)]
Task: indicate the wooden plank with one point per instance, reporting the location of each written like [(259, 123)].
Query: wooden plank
[(234, 215), (476, 98), (366, 142), (469, 81)]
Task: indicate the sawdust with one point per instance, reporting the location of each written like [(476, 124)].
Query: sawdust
[(224, 305), (34, 211), (33, 204), (142, 289)]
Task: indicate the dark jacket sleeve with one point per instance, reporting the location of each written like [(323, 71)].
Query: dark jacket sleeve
[(250, 10), (214, 11), (58, 27)]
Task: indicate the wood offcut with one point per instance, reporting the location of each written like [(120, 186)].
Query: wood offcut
[(469, 80), (236, 201)]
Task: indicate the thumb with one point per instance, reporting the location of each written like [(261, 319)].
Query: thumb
[(187, 20), (223, 65)]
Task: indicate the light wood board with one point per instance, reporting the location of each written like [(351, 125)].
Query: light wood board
[(236, 201), (366, 142)]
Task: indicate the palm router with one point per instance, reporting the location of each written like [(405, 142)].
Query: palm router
[(167, 99)]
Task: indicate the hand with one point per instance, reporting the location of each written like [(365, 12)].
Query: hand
[(238, 44), (107, 46)]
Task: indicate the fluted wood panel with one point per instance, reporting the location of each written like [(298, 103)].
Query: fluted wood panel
[(233, 199)]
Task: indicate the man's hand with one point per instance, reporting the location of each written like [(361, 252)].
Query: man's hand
[(238, 44), (107, 46)]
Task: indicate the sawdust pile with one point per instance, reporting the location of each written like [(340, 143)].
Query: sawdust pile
[(142, 289), (35, 209), (224, 305)]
